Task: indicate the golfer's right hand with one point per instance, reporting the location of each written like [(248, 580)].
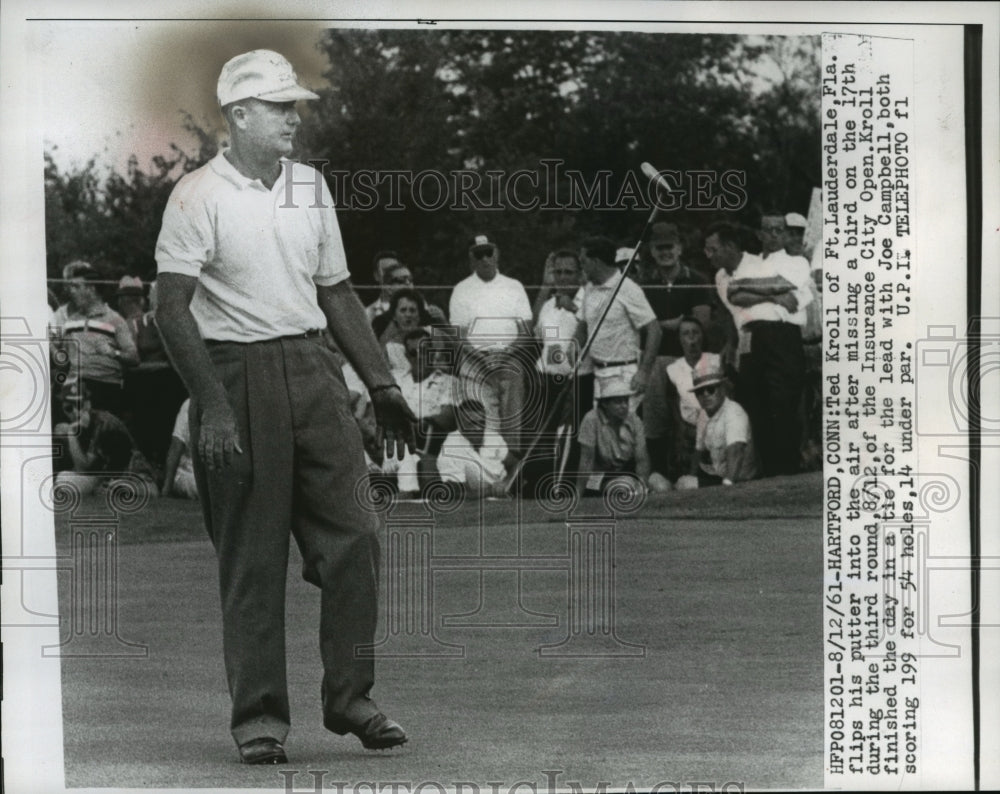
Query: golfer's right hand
[(218, 438)]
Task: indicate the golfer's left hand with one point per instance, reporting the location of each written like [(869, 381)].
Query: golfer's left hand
[(395, 423)]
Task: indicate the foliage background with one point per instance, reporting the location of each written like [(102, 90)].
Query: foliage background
[(495, 100)]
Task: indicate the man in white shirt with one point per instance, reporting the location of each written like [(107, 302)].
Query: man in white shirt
[(473, 456), (493, 316), (680, 374), (724, 448), (767, 298), (252, 271), (617, 348)]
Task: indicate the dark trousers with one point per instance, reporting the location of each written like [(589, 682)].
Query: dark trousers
[(302, 460), (771, 381)]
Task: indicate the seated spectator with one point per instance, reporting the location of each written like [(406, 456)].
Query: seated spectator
[(95, 446), (178, 476), (429, 389), (130, 301), (680, 375), (393, 275), (406, 314), (724, 448), (473, 457), (612, 438), (674, 291), (560, 401), (92, 341), (153, 390)]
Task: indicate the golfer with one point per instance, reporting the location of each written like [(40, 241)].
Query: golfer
[(251, 273)]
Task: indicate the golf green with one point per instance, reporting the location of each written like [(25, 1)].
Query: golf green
[(520, 645)]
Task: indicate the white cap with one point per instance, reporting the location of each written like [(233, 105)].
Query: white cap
[(623, 254), (260, 74), (612, 385), (795, 221)]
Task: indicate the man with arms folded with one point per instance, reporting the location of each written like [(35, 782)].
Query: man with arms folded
[(251, 272), (768, 299)]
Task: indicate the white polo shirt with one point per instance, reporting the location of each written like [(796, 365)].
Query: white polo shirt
[(730, 425), (795, 269), (617, 337), (258, 253), (556, 328), (489, 310)]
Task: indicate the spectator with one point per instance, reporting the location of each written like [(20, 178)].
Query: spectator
[(615, 348), (493, 316), (406, 309), (382, 262), (94, 340), (429, 389), (130, 301), (474, 457), (393, 275), (612, 440), (675, 292), (771, 297), (178, 476), (680, 375), (95, 447), (555, 312), (154, 392), (724, 449)]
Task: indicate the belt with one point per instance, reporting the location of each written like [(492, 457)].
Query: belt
[(750, 326), (606, 364), (312, 333)]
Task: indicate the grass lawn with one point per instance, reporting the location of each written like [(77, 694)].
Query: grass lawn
[(711, 666)]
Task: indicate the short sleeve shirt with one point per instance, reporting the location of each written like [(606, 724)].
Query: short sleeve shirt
[(258, 253), (490, 309), (614, 448), (555, 329), (458, 461), (617, 337), (675, 299), (94, 337), (730, 425)]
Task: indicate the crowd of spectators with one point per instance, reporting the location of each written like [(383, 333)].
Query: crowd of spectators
[(670, 375)]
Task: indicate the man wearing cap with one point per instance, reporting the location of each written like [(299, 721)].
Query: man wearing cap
[(493, 316), (252, 272), (93, 340), (612, 440), (617, 347), (676, 292), (767, 298), (724, 449)]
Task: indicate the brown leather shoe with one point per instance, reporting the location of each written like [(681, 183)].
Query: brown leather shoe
[(380, 733), (263, 751)]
